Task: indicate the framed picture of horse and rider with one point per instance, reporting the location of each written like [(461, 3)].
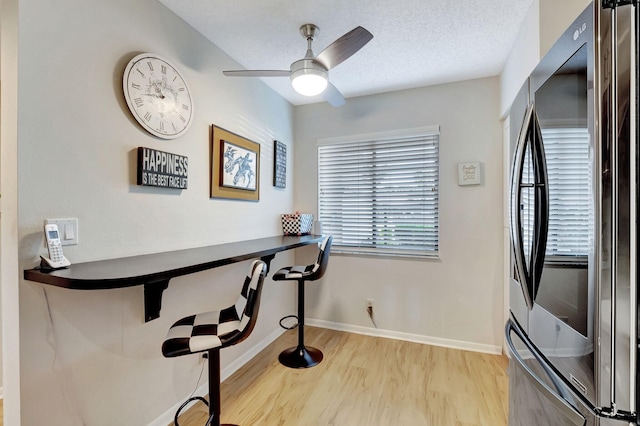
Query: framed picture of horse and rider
[(235, 166)]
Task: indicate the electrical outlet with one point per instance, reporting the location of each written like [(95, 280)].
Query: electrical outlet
[(369, 304)]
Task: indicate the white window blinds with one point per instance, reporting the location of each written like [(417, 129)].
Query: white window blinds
[(570, 194), (380, 196), (570, 200)]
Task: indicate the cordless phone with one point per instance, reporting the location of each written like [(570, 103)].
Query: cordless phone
[(56, 259)]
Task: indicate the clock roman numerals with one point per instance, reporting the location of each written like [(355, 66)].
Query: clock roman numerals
[(157, 96)]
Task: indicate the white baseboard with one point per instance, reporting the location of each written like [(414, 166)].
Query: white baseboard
[(167, 417), (397, 335)]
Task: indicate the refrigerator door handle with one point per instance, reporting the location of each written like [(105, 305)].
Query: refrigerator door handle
[(558, 401), (542, 203), (515, 222)]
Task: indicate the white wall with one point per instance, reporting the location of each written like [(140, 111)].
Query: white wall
[(524, 56), (545, 22), (555, 17), (9, 270), (456, 299), (87, 357)]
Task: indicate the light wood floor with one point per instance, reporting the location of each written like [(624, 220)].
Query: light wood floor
[(364, 381)]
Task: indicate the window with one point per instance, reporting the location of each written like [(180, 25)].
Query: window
[(570, 201), (570, 194), (378, 194)]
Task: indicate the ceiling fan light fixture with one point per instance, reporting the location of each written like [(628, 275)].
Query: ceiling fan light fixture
[(308, 79), (309, 84), (310, 75)]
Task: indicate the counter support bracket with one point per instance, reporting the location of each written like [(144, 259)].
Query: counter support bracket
[(267, 259), (153, 299)]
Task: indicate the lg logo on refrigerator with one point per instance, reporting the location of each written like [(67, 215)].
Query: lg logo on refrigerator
[(579, 31)]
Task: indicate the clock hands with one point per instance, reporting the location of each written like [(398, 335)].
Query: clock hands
[(157, 89), (157, 96), (154, 91), (158, 92)]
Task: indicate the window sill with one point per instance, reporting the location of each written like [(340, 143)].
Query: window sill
[(378, 254)]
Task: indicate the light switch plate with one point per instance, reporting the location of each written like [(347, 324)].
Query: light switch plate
[(68, 230)]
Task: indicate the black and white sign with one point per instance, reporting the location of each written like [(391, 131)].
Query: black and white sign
[(279, 164), (158, 168)]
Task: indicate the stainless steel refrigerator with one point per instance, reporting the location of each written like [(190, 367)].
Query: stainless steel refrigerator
[(573, 328)]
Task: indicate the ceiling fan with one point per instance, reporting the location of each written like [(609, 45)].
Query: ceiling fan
[(309, 75)]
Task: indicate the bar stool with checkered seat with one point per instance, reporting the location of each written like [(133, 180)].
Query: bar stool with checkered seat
[(211, 331), (302, 356)]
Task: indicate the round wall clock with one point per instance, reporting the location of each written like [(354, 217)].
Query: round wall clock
[(158, 96)]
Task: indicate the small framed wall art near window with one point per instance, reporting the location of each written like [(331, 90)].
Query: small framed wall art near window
[(469, 173), (235, 166), (279, 164)]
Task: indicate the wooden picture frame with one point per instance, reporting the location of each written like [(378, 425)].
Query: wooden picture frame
[(279, 164), (227, 165)]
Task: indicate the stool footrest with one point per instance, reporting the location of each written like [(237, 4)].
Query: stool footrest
[(298, 357), (187, 402), (289, 327)]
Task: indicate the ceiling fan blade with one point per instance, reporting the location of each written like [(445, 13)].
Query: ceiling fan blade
[(257, 73), (341, 49), (332, 95)]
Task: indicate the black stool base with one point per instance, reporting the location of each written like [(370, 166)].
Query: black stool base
[(300, 358)]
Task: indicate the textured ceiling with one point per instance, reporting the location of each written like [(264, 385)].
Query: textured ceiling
[(415, 42)]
